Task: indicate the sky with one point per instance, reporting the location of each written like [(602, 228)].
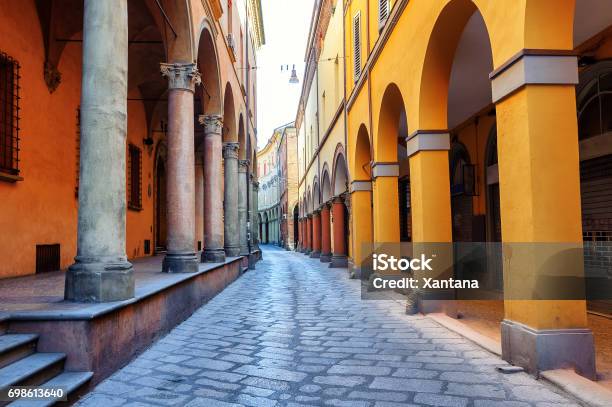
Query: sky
[(286, 25)]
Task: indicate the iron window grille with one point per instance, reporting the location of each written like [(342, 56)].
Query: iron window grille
[(9, 115), (135, 178)]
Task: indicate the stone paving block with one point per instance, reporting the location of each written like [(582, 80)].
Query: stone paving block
[(266, 383), (440, 400), (360, 370), (423, 385), (348, 381), (378, 396)]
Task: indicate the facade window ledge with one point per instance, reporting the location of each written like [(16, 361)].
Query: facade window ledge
[(8, 177), (134, 208)]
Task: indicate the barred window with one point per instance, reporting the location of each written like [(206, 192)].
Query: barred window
[(134, 178), (9, 115)]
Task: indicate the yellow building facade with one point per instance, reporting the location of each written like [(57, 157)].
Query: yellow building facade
[(471, 121)]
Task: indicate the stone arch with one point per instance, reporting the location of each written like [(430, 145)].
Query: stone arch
[(392, 125), (438, 62), (230, 133), (210, 90), (362, 159), (340, 173), (316, 194), (326, 188), (179, 37)]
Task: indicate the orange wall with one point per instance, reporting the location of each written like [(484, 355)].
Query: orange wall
[(42, 209)]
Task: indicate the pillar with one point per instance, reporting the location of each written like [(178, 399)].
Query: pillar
[(300, 243), (386, 202), (430, 203), (254, 219), (361, 227), (243, 188), (316, 234), (539, 181), (180, 182), (308, 234), (339, 258), (199, 203), (325, 234), (213, 197), (230, 202), (101, 271)]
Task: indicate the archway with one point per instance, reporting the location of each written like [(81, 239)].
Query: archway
[(594, 103), (230, 133), (361, 199), (391, 164), (296, 226)]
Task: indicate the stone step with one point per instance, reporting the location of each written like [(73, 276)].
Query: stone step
[(16, 346), (71, 382), (32, 370)]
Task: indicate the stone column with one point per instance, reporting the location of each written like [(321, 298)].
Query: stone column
[(309, 234), (213, 197), (180, 186), (101, 271), (199, 203), (339, 258), (325, 234), (316, 234), (254, 219), (230, 203), (243, 190)]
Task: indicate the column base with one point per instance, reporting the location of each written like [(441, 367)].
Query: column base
[(547, 349), (232, 251), (213, 256), (435, 301), (180, 263), (253, 259), (338, 262), (315, 254), (99, 282), (244, 251), (354, 271), (325, 257), (307, 252)]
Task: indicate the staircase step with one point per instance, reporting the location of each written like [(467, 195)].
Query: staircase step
[(70, 382), (32, 370), (16, 346)]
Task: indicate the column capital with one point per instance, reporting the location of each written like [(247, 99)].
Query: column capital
[(338, 199), (534, 67), (359, 185), (427, 140), (230, 150), (213, 124), (385, 169), (255, 185), (243, 165), (181, 75)]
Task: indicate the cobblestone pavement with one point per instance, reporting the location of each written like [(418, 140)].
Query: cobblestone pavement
[(294, 332)]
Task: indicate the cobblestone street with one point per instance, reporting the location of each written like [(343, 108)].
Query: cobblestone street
[(294, 332)]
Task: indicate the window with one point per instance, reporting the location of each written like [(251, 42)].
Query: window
[(357, 46), (9, 116), (383, 13), (134, 178), (594, 116)]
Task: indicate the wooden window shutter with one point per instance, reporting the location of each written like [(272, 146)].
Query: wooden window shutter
[(383, 13), (357, 46)]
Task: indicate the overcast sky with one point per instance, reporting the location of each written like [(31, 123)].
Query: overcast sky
[(286, 24)]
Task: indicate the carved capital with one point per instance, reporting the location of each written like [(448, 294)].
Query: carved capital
[(181, 76), (213, 124), (243, 165), (230, 150)]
